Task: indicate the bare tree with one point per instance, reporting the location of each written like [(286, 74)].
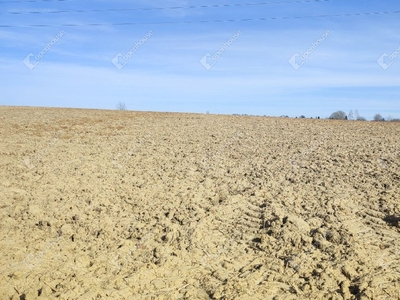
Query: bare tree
[(358, 117), (121, 106), (378, 118), (356, 114), (351, 115), (338, 115)]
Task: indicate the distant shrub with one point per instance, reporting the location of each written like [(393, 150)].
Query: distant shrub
[(121, 106), (338, 115), (378, 118), (395, 120), (359, 118), (302, 117)]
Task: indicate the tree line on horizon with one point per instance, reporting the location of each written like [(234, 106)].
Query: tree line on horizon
[(337, 115), (341, 115)]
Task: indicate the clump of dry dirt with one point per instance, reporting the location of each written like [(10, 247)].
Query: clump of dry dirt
[(127, 205)]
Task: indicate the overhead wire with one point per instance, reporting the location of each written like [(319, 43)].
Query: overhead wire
[(31, 1), (201, 21), (54, 11), (57, 11), (187, 6)]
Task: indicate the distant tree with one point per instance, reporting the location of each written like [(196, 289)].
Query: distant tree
[(378, 118), (350, 115), (356, 114), (358, 117), (338, 115), (121, 106), (302, 117)]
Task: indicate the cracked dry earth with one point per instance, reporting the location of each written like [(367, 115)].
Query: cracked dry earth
[(130, 205)]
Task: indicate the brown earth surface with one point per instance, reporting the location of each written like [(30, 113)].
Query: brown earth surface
[(132, 205)]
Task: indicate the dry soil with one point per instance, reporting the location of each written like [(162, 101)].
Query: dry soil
[(133, 205)]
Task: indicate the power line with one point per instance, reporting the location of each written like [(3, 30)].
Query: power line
[(55, 11), (203, 21), (31, 1), (183, 7)]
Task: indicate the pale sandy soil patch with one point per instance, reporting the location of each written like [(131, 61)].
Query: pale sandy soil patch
[(127, 205)]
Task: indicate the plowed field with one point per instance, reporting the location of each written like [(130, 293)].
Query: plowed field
[(133, 205)]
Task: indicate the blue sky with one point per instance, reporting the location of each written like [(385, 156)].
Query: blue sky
[(173, 56)]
